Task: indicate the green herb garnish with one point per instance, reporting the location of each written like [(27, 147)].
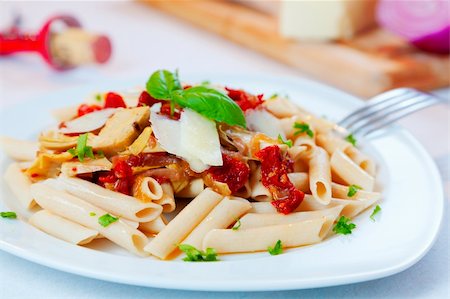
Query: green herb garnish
[(350, 138), (352, 190), (237, 225), (287, 142), (343, 226), (92, 214), (164, 85), (303, 128), (277, 249), (195, 255), (82, 150), (375, 211), (10, 215), (106, 220), (273, 96), (98, 97)]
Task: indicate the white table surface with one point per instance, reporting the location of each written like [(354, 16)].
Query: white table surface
[(145, 40)]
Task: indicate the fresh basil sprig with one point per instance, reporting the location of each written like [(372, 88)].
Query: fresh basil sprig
[(164, 85)]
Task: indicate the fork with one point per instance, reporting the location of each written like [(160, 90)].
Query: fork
[(386, 108)]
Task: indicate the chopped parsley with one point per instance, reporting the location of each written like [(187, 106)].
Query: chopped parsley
[(82, 150), (275, 95), (277, 249), (303, 128), (350, 138), (352, 190), (287, 142), (92, 214), (343, 226), (237, 225), (195, 255), (10, 215), (106, 220), (375, 211), (98, 97)]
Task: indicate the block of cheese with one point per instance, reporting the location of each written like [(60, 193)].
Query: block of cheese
[(325, 20)]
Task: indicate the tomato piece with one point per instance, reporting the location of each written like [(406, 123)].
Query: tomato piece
[(145, 99), (274, 176), (113, 100), (165, 109), (122, 169), (244, 99), (85, 109), (233, 172)]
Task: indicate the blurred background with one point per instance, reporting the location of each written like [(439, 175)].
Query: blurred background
[(362, 47)]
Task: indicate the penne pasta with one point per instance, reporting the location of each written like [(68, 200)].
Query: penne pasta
[(154, 226), (167, 201), (77, 210), (113, 202), (300, 181), (252, 220), (222, 216), (62, 228), (19, 183), (341, 191), (351, 173), (147, 189), (260, 238), (258, 191), (362, 160), (19, 150), (177, 229), (194, 188), (320, 176)]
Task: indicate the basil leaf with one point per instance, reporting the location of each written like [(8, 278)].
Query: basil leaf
[(212, 104), (162, 84)]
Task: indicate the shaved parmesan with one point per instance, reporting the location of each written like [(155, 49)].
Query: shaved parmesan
[(193, 138), (88, 122), (260, 120)]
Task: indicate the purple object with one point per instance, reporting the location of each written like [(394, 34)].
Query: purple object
[(424, 23)]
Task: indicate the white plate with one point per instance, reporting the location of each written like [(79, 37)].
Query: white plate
[(405, 230)]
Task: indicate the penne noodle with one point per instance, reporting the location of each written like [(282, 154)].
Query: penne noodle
[(362, 160), (154, 226), (62, 228), (19, 150), (350, 172), (320, 175), (19, 183), (300, 181), (167, 201), (147, 189), (331, 143), (222, 216), (195, 187), (246, 191), (281, 107), (258, 191), (252, 220), (114, 202), (341, 191), (177, 229), (77, 210), (306, 142), (260, 238)]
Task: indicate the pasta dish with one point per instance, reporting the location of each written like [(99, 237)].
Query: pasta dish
[(200, 169)]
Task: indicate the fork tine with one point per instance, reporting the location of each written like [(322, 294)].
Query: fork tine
[(378, 103), (384, 111), (388, 119)]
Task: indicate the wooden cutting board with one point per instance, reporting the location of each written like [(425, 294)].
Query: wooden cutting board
[(373, 62)]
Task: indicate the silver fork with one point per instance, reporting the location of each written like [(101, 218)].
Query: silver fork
[(386, 108)]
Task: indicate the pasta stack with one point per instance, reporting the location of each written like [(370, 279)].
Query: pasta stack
[(115, 168)]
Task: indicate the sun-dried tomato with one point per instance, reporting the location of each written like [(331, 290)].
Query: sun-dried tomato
[(113, 100), (233, 172), (274, 176), (85, 109), (244, 99), (145, 99)]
